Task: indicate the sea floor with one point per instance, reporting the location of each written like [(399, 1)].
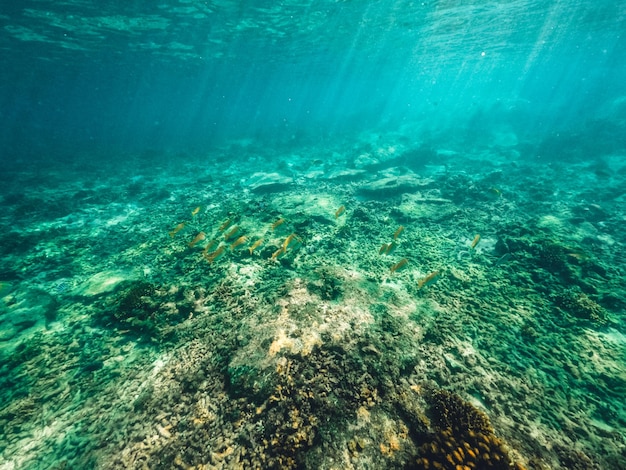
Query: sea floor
[(392, 305)]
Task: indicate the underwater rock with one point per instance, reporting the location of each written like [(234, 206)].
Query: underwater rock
[(416, 158), (394, 186), (105, 281), (366, 161), (450, 411), (416, 207), (550, 256), (15, 244), (318, 207), (261, 183)]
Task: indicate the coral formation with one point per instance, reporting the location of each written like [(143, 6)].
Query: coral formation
[(326, 284), (579, 305), (143, 308), (551, 256), (463, 437), (136, 305)]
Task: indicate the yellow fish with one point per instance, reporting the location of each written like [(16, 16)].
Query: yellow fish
[(475, 242), (231, 233), (277, 223), (177, 229), (241, 240), (195, 211), (277, 253), (398, 232), (201, 236), (340, 211), (432, 277), (255, 245), (390, 247), (225, 225), (5, 287), (208, 246), (289, 239), (400, 264), (215, 254)]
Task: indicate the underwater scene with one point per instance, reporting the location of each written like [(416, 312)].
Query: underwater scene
[(253, 234)]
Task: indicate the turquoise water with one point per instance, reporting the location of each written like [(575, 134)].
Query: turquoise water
[(329, 234)]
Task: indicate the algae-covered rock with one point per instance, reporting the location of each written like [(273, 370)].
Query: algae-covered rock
[(268, 182), (105, 281), (417, 206), (392, 186), (319, 207)]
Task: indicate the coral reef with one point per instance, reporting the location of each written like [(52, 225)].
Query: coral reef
[(145, 309), (122, 347), (579, 305), (463, 437)]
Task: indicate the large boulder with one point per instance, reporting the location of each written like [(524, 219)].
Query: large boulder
[(262, 183)]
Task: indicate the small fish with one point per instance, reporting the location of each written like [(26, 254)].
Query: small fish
[(232, 231), (208, 246), (195, 211), (503, 259), (59, 288), (398, 232), (429, 279), (383, 249), (277, 223), (201, 236), (177, 229), (475, 242), (240, 241), (390, 247), (215, 254), (340, 211), (277, 253), (225, 225), (579, 255), (289, 239), (399, 265), (495, 191), (255, 245)]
